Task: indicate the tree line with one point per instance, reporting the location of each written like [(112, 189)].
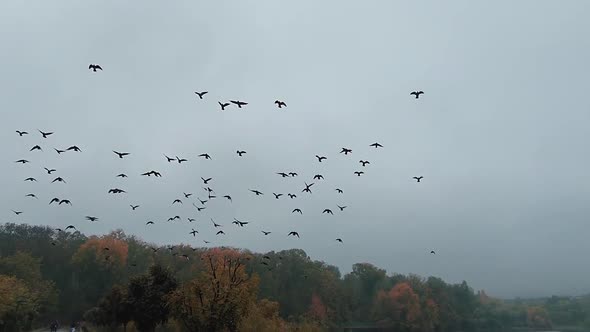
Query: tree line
[(118, 282)]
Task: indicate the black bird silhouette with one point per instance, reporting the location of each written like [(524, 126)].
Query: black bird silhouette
[(36, 147), (418, 178), (215, 224), (320, 158), (59, 151), (58, 179), (346, 151), (201, 94), (116, 191), (171, 219), (277, 196), (21, 133), (187, 195), (22, 161), (238, 103), (242, 223), (432, 252), (191, 219), (121, 154), (297, 210), (294, 234), (94, 67), (122, 175), (341, 207), (169, 159), (150, 173), (211, 196), (338, 190), (206, 181), (202, 202), (318, 177), (376, 145), (54, 200), (31, 179), (199, 208), (206, 242), (149, 223), (193, 232), (17, 212), (74, 148), (364, 162), (280, 104), (240, 152), (283, 174), (228, 197), (133, 207), (49, 171), (207, 189), (45, 134), (258, 193), (235, 222), (59, 229), (359, 173), (292, 174), (205, 155), (220, 232), (328, 211), (70, 227), (265, 233), (91, 218), (176, 201), (291, 196), (339, 240), (31, 195), (223, 105), (181, 160), (65, 201), (417, 93)]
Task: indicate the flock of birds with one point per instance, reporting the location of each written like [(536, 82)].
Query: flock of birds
[(198, 204)]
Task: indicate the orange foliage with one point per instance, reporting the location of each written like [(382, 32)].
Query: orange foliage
[(401, 305), (317, 309), (107, 249)]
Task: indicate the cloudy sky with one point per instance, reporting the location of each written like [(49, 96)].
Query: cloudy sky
[(500, 134)]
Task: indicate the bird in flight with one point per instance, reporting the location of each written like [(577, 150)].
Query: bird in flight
[(201, 94), (220, 232), (49, 171), (149, 223), (91, 218), (202, 202), (32, 196), (432, 252), (150, 173), (36, 147), (339, 240), (228, 197), (206, 242), (283, 174), (206, 181), (176, 201), (240, 152), (17, 212), (94, 67), (359, 173), (265, 233), (297, 210), (223, 105), (70, 227), (65, 201), (116, 191), (74, 148), (45, 134), (54, 200), (215, 224), (258, 193), (294, 234), (58, 179), (193, 232), (277, 196), (292, 174), (307, 187), (320, 158), (238, 103), (21, 133), (291, 196), (341, 207), (338, 190), (169, 159), (122, 175), (199, 208), (133, 207), (417, 93), (364, 162), (346, 151), (191, 219), (328, 211), (187, 195), (59, 151), (280, 104), (121, 154), (376, 145), (22, 161), (181, 160), (205, 155), (418, 178), (31, 179), (318, 177)]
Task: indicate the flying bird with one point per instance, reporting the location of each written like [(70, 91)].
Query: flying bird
[(94, 67), (228, 197), (320, 158), (283, 174), (59, 151), (205, 155), (17, 212), (291, 196), (31, 195), (206, 181), (206, 242), (193, 232), (176, 201), (376, 145), (265, 233), (58, 179), (202, 202), (417, 93), (258, 193), (294, 234), (74, 148), (240, 152), (116, 191), (238, 103), (49, 171), (223, 105), (201, 94), (346, 151), (359, 173), (328, 211), (169, 159), (30, 179), (215, 224), (339, 240), (318, 177), (133, 207), (292, 174), (65, 201), (187, 195), (70, 227), (277, 196), (191, 219), (341, 207), (21, 133), (181, 160), (199, 208), (297, 210), (280, 104), (36, 147), (220, 232), (122, 175), (364, 162), (91, 218), (121, 154), (45, 134), (54, 200), (22, 161), (418, 178), (149, 223), (432, 252), (338, 190)]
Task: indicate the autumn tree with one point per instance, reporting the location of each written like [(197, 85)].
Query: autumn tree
[(219, 297), (263, 317), (19, 304), (399, 307)]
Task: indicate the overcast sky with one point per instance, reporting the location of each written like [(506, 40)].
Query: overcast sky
[(500, 135)]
